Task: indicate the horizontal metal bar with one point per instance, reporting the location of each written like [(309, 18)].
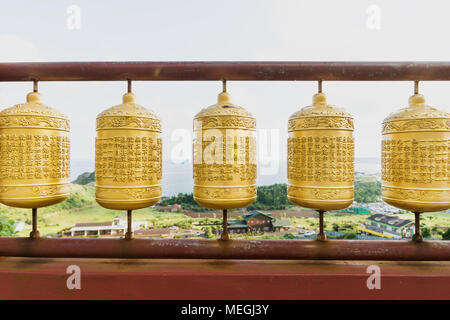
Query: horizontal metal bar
[(233, 249), (197, 71)]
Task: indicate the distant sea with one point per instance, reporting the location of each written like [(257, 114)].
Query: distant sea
[(178, 177)]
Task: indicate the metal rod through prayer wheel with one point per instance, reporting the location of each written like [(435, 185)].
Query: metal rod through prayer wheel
[(129, 234), (417, 233), (34, 232), (321, 236), (225, 233)]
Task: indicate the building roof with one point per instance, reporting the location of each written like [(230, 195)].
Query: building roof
[(393, 221), (93, 224), (243, 223), (235, 221), (255, 213), (152, 232), (238, 226)]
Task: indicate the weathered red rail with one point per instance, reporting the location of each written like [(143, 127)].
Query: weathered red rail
[(239, 70), (234, 249), (36, 278)]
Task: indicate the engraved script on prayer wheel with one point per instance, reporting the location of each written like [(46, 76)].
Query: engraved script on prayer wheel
[(34, 155), (320, 156), (128, 156), (415, 158), (224, 156)]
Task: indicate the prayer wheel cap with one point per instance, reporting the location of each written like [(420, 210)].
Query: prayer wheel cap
[(319, 98), (417, 99), (35, 106), (129, 97), (34, 97), (320, 108), (112, 117), (415, 158), (416, 109), (224, 107), (223, 97)]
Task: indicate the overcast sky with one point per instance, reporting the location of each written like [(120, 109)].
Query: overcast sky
[(225, 30)]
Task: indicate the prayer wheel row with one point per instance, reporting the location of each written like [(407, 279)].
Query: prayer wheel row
[(35, 156)]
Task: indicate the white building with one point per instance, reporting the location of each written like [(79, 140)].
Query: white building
[(388, 226), (19, 226), (117, 227)]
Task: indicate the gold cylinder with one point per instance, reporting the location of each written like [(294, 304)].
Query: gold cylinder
[(416, 157), (224, 154), (320, 156), (34, 155), (128, 163)]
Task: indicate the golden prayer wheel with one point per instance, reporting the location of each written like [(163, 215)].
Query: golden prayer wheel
[(34, 155), (320, 156), (128, 156), (415, 157), (224, 155)]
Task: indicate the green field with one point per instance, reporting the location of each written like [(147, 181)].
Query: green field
[(81, 207), (347, 223), (53, 224)]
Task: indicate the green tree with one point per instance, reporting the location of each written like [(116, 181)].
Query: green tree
[(288, 236), (208, 232), (426, 233), (273, 197), (367, 190), (6, 227), (446, 235), (85, 178), (186, 200)]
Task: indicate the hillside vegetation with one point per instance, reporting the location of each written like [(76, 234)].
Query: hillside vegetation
[(80, 197), (367, 190), (85, 178), (271, 197)]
